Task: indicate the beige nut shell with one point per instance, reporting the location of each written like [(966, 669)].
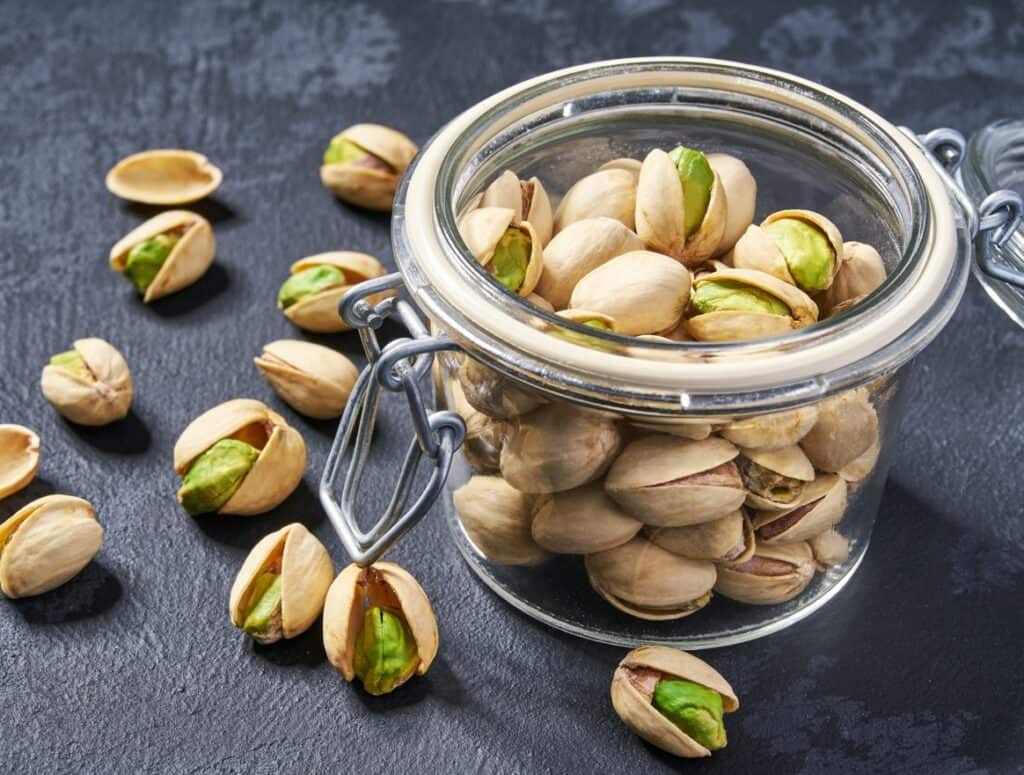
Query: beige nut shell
[(19, 458), (367, 187), (581, 521), (861, 273), (846, 427), (788, 461), (497, 519), (164, 176), (772, 431), (796, 561), (609, 193), (482, 229), (830, 493), (740, 197), (312, 379), (494, 394), (717, 540), (319, 312), (507, 190), (98, 402)]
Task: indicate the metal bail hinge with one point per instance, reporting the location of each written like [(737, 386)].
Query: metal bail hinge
[(999, 215)]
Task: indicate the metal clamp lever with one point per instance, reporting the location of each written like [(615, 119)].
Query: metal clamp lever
[(400, 366)]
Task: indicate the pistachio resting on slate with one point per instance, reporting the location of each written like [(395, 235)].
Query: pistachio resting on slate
[(19, 458), (310, 296), (166, 176), (89, 384), (314, 380), (363, 164), (497, 519)]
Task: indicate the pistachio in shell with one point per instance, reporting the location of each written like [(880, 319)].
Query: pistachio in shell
[(363, 164), (830, 548), (673, 700), (19, 458), (774, 478), (379, 626), (740, 189), (846, 427), (693, 429), (666, 481), (581, 521), (165, 254), (800, 247), (861, 467), (494, 394), (47, 543), (643, 580), (90, 384), (239, 457), (632, 166), (608, 192), (860, 274), (164, 176), (312, 379), (497, 518), (820, 507), (510, 250), (527, 198), (774, 574), (726, 539), (485, 436), (280, 589), (772, 431), (310, 296)]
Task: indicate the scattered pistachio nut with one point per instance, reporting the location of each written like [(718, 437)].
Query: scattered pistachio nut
[(363, 164), (774, 478), (846, 427), (830, 549), (527, 198), (740, 189), (800, 247), (772, 431), (726, 539), (19, 458), (492, 393), (90, 384), (819, 507), (165, 176), (310, 296), (497, 519), (312, 379), (861, 273), (510, 250), (609, 193), (581, 521), (774, 574)]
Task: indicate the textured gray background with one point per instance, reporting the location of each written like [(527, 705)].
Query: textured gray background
[(915, 668)]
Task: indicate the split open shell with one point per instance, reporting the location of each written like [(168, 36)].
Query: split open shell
[(164, 176), (726, 539), (774, 574), (786, 463), (497, 519), (740, 197), (772, 431), (527, 198), (757, 250), (312, 379), (483, 228), (319, 311), (19, 458), (581, 521), (861, 273), (820, 507), (99, 401), (608, 192), (371, 186)]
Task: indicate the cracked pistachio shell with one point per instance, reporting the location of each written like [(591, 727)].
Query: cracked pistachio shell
[(830, 548), (282, 452), (497, 518), (383, 585), (492, 393), (633, 686), (665, 481), (540, 301), (740, 197), (632, 166), (772, 431), (47, 543), (485, 436), (581, 521), (660, 213), (648, 582), (846, 428), (609, 192), (589, 317), (695, 430), (319, 311), (165, 176), (370, 182), (306, 573), (577, 250), (861, 273), (820, 507), (312, 379), (775, 574), (188, 260), (483, 228), (726, 539), (19, 458), (789, 462), (99, 401), (557, 447), (758, 250), (644, 292), (861, 467), (527, 198)]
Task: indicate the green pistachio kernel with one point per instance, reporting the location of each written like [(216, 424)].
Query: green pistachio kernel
[(730, 295), (386, 654), (807, 251), (697, 178), (264, 602), (695, 709), (73, 361), (600, 325), (146, 259), (215, 475), (342, 150), (511, 257), (769, 484), (307, 282)]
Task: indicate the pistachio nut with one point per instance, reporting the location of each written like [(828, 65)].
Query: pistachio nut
[(89, 385), (695, 430), (577, 250), (632, 166), (379, 626), (363, 165), (846, 428), (644, 292), (772, 431), (673, 700), (581, 521), (800, 247), (497, 518), (46, 543), (557, 447), (509, 249), (819, 507), (19, 458), (527, 198), (774, 478), (740, 189), (643, 580), (666, 481), (280, 589), (539, 301), (830, 548), (485, 436), (166, 176), (774, 574), (861, 273), (730, 304), (238, 458), (493, 394), (680, 205), (586, 317), (608, 192), (310, 296), (861, 467), (726, 539), (168, 252), (312, 379)]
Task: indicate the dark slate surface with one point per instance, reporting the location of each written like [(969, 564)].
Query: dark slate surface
[(133, 667)]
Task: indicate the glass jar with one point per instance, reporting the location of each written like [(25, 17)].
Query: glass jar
[(616, 487)]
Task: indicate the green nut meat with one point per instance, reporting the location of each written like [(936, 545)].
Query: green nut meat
[(146, 259), (265, 607), (386, 654), (342, 151), (215, 475), (73, 361), (308, 282), (730, 295), (697, 178), (695, 709), (511, 257), (809, 255)]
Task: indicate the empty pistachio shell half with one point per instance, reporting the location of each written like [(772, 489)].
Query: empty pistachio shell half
[(556, 448), (610, 193), (497, 518), (800, 247), (740, 197), (238, 458), (775, 574), (379, 626), (310, 296), (673, 700), (847, 426), (666, 481), (510, 250), (90, 384), (581, 521), (485, 436), (280, 589), (861, 272), (363, 165), (774, 478), (772, 431), (166, 176), (830, 548), (644, 580), (644, 292), (19, 458), (527, 198), (493, 394), (314, 380), (47, 543), (168, 252), (726, 539), (819, 507)]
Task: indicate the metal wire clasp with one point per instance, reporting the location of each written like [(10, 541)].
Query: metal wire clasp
[(399, 367)]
